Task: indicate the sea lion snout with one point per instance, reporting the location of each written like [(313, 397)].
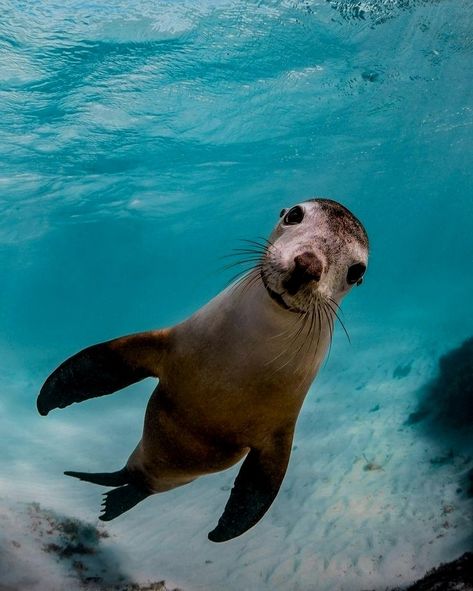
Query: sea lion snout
[(307, 267)]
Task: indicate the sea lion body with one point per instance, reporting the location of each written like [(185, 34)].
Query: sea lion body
[(204, 421), (233, 376)]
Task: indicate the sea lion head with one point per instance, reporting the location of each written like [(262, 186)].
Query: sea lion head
[(317, 251)]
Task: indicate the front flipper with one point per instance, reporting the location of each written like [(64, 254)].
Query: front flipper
[(103, 369), (256, 487)]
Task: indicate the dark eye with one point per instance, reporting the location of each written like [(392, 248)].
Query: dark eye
[(283, 211), (355, 273), (294, 216)]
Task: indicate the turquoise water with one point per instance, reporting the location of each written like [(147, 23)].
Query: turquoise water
[(138, 143)]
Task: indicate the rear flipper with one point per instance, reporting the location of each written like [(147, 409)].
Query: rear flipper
[(119, 500), (104, 478), (122, 499)]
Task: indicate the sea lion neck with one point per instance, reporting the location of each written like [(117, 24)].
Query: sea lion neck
[(246, 307)]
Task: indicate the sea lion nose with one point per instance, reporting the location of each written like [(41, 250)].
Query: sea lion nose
[(308, 266)]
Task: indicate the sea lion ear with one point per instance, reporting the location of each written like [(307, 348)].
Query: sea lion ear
[(103, 369), (256, 487)]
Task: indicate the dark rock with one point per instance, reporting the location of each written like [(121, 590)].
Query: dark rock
[(447, 401), (453, 576)]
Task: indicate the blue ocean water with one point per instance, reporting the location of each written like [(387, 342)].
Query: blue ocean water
[(139, 142)]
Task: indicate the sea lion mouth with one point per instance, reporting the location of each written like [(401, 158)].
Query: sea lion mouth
[(277, 297)]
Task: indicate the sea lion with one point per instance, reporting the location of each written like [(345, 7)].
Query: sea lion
[(233, 376)]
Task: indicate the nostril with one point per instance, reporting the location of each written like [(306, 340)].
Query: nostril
[(309, 264), (307, 267)]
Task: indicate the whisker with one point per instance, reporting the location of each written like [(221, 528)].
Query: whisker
[(305, 341), (319, 323), (239, 251), (253, 253), (256, 243), (318, 327), (340, 320), (293, 337), (330, 328), (240, 276), (313, 326), (330, 320), (286, 334), (264, 240), (249, 256), (310, 332), (242, 262), (298, 332), (336, 304), (241, 279), (309, 319), (252, 278)]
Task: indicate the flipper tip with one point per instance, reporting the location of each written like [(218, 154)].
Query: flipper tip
[(103, 517), (43, 411), (121, 499), (216, 535)]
